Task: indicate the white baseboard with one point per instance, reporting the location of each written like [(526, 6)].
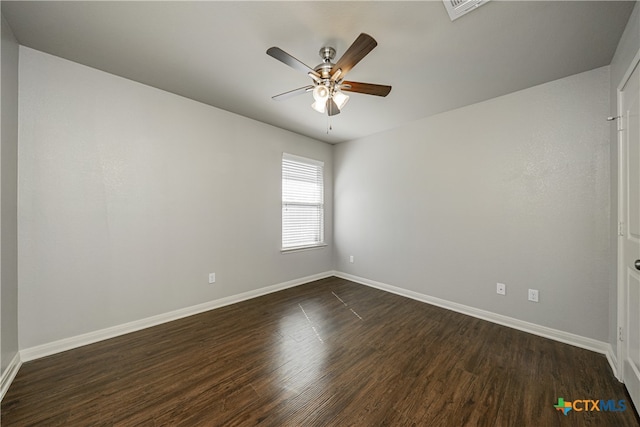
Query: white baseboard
[(9, 374), (48, 349), (65, 344), (521, 325)]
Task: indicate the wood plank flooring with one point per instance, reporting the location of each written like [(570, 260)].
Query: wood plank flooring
[(328, 353)]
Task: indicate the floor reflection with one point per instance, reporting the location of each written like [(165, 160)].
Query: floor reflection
[(302, 350)]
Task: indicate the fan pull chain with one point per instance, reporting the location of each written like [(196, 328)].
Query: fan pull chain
[(329, 127)]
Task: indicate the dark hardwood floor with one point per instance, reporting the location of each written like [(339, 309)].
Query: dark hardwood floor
[(328, 353)]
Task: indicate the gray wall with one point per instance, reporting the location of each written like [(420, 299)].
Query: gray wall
[(130, 196), (512, 190), (9, 199), (628, 47)]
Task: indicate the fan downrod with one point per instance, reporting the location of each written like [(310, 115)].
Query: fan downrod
[(327, 54)]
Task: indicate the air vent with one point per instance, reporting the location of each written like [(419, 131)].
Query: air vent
[(457, 8)]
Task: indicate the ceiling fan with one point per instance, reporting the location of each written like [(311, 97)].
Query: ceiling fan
[(328, 78)]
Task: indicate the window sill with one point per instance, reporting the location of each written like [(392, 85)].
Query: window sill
[(303, 248)]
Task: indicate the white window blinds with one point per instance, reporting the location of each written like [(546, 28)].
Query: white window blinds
[(302, 202)]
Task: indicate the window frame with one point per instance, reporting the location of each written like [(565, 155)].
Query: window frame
[(320, 242)]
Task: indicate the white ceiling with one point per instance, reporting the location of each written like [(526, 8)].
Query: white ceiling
[(214, 52)]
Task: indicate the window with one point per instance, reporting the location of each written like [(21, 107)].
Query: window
[(302, 202)]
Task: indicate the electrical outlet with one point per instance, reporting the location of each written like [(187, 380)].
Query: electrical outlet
[(351, 259), (533, 295), (501, 288), (212, 277)]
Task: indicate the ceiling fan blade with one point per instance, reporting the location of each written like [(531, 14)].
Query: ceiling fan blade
[(358, 50), (292, 93), (366, 88), (332, 107), (292, 62)]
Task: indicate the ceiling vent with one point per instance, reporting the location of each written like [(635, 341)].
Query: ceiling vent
[(457, 8)]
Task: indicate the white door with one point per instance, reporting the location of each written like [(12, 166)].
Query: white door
[(630, 232)]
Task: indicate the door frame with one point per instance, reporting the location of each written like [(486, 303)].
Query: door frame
[(620, 267)]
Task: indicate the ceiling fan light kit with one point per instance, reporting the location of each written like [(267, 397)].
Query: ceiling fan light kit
[(321, 95), (328, 78)]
